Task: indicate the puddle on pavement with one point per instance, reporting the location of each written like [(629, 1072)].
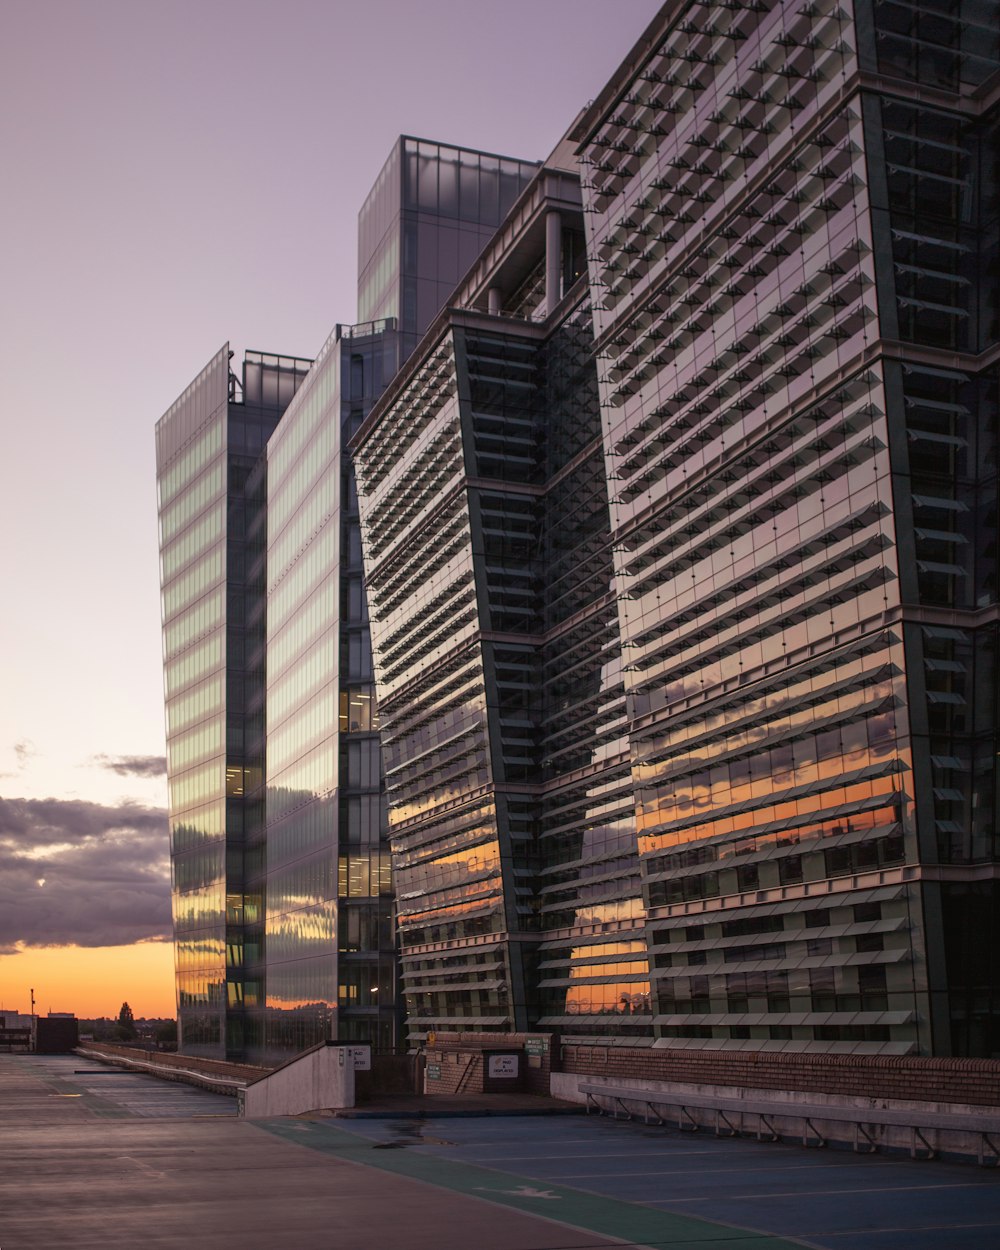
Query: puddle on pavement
[(410, 1135)]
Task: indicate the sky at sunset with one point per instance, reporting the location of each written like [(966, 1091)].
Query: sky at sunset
[(176, 174)]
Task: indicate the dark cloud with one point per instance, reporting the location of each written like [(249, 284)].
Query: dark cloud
[(133, 765), (82, 873)]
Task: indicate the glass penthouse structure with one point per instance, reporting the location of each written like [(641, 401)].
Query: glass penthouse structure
[(791, 238), (283, 904), (431, 212)]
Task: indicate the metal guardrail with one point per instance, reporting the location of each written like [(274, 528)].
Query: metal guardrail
[(219, 1084), (986, 1128)]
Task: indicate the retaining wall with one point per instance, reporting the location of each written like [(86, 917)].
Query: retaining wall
[(960, 1081), (213, 1074)]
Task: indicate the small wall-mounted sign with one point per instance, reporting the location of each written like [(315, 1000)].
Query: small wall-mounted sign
[(360, 1057), (504, 1066), (433, 1072)]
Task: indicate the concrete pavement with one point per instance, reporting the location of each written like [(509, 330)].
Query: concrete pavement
[(833, 1199), (86, 1161), (93, 1157)]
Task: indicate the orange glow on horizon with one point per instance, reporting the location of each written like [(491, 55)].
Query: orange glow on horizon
[(91, 981)]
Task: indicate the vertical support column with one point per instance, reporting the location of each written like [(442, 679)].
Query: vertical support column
[(553, 260), (494, 298)]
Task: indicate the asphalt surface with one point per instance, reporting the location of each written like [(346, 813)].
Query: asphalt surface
[(833, 1199), (93, 1157)]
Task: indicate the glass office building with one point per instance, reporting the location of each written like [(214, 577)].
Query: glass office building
[(793, 234), (326, 885), (497, 656), (791, 245), (206, 446), (282, 882), (431, 212), (676, 537)]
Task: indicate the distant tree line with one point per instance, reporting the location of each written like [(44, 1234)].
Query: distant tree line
[(126, 1028)]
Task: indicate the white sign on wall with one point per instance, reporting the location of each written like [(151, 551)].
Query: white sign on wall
[(502, 1066), (360, 1057)]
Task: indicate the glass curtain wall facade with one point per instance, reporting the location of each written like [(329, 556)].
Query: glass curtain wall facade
[(791, 245), (427, 218), (431, 687), (796, 335), (933, 140), (282, 880), (329, 967), (592, 971), (679, 539), (206, 445), (498, 665), (329, 936)]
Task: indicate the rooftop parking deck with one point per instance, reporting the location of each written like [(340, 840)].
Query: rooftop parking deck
[(94, 1157)]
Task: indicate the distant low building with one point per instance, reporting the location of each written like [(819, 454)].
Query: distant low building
[(14, 1020), (58, 1033), (15, 1033)]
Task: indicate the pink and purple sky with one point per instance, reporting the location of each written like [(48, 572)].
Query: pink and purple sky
[(177, 174)]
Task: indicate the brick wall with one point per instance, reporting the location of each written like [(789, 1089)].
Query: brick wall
[(455, 1062), (975, 1081), (453, 1071)]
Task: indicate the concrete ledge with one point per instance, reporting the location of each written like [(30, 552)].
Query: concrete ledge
[(189, 1071), (319, 1079), (924, 1130)]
